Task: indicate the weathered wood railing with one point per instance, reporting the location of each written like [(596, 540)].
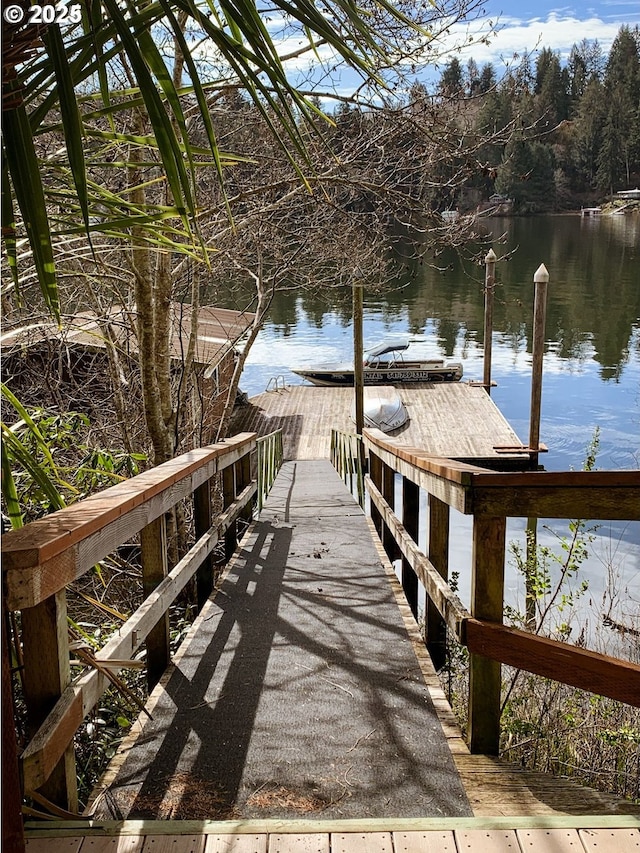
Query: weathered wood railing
[(491, 498), (346, 457), (41, 559), (269, 461)]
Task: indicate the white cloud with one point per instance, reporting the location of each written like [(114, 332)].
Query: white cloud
[(558, 31)]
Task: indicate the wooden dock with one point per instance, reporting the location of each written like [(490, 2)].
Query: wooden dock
[(508, 810), (450, 419), (297, 690), (310, 623)]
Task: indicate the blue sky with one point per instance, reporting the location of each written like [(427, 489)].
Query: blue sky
[(525, 25), (522, 27)]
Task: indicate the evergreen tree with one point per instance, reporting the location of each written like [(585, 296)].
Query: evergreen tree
[(551, 89), (623, 64), (487, 78), (578, 75), (544, 60), (620, 151), (451, 81), (612, 155), (523, 76), (587, 138), (527, 176), (473, 77)]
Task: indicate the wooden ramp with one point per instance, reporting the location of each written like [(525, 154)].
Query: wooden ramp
[(450, 419), (298, 691)]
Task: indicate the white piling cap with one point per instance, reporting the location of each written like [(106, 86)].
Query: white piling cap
[(541, 275), (490, 256)]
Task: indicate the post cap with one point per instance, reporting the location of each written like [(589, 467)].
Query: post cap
[(490, 256), (541, 275)]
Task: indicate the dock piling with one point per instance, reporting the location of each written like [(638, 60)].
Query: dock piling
[(489, 282), (541, 281)]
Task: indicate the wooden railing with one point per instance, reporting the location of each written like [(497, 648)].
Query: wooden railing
[(269, 461), (491, 498), (347, 458), (42, 558)]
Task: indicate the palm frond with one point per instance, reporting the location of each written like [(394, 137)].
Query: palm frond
[(45, 88)]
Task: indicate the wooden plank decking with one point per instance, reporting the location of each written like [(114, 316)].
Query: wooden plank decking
[(450, 419), (492, 788), (465, 836)]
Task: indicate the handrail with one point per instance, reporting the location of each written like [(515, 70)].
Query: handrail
[(587, 670), (346, 455), (42, 558), (269, 461), (611, 495), (491, 497), (275, 382), (49, 743)]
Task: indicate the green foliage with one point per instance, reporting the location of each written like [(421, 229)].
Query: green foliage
[(550, 574), (98, 739), (576, 127), (546, 725), (47, 463)]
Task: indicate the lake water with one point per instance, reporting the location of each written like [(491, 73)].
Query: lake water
[(591, 375)]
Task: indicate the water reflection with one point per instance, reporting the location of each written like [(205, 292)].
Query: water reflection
[(594, 298), (591, 365)]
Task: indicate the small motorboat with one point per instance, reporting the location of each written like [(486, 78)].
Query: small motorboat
[(385, 364), (382, 409)]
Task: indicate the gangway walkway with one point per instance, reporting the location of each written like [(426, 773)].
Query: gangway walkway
[(297, 692)]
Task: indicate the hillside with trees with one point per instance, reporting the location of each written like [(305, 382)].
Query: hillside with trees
[(576, 127)]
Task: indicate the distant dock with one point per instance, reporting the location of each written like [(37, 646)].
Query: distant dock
[(450, 419)]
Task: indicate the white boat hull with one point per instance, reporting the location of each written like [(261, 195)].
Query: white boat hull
[(385, 364), (383, 409), (337, 374)]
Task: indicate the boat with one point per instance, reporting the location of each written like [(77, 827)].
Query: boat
[(383, 409), (384, 364)]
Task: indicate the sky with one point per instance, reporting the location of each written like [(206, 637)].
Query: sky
[(552, 25), (518, 31)]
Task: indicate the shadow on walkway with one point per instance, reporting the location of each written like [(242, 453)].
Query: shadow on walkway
[(297, 691)]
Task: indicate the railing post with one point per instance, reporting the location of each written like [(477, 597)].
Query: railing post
[(388, 493), (202, 523), (244, 478), (358, 367), (12, 826), (376, 476), (411, 523), (438, 553), (541, 282), (45, 641), (228, 496), (487, 590), (153, 546), (260, 475), (362, 465)]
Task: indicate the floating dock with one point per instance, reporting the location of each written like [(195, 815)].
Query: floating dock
[(451, 419)]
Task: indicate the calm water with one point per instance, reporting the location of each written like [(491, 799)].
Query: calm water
[(591, 365)]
